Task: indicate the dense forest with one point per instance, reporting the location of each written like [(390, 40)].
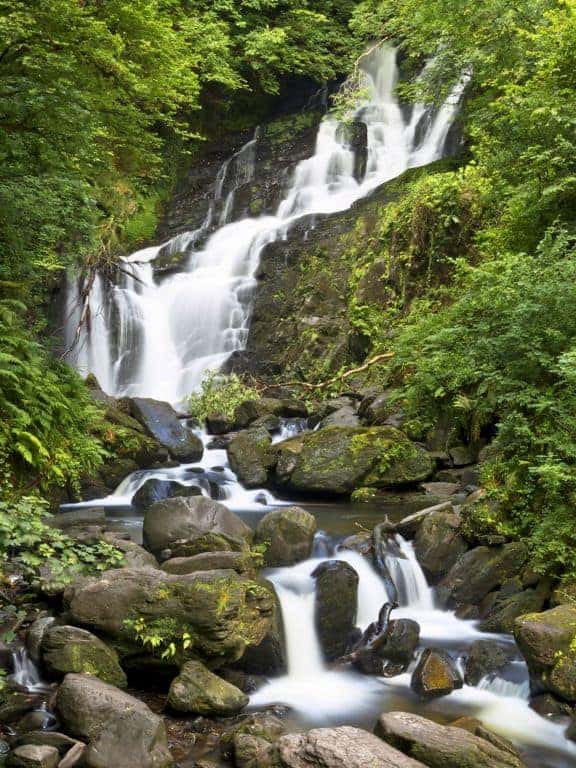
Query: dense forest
[(451, 289)]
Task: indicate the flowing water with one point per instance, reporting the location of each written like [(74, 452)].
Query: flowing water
[(157, 338)]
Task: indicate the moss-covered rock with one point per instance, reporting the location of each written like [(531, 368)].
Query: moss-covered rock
[(439, 542), (287, 534), (198, 691), (222, 612), (67, 649), (435, 675), (337, 460), (548, 643), (252, 456), (336, 606)]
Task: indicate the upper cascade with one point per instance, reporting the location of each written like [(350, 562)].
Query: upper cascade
[(151, 338)]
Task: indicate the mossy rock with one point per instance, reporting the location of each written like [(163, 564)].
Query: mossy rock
[(252, 456), (70, 649), (337, 460), (288, 535), (198, 691)]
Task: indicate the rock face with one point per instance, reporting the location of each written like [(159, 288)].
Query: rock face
[(439, 746), (343, 747), (545, 640), (223, 612), (435, 675), (191, 520), (162, 423), (252, 456), (251, 410), (288, 535), (439, 542), (336, 606), (198, 691), (155, 490), (71, 649), (337, 460), (481, 570), (121, 731)]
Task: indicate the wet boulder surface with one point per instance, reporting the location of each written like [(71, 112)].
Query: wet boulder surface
[(336, 606), (161, 421), (197, 690), (287, 536)]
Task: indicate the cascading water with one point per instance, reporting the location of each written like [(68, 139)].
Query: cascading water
[(320, 694), (155, 338)]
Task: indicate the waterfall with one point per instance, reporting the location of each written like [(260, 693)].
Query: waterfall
[(409, 578), (155, 337), (25, 674)]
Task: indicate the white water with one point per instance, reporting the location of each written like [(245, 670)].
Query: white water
[(323, 695), (156, 338), (25, 673)]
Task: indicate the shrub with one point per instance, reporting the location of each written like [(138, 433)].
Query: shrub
[(220, 394)]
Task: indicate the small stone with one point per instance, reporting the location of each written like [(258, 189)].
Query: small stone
[(435, 675), (32, 756)]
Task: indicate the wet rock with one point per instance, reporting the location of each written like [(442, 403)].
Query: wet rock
[(77, 518), (360, 542), (354, 134), (346, 416), (441, 489), (288, 535), (241, 562), (32, 756), (155, 490), (409, 525), (35, 634), (252, 456), (545, 640), (55, 739), (268, 657), (121, 731), (485, 658), (218, 424), (439, 542), (506, 610), (343, 747), (479, 571), (250, 410), (461, 456), (547, 705), (198, 691), (15, 704), (336, 606), (337, 460), (399, 645), (254, 752), (435, 675), (440, 746), (477, 728), (176, 520), (71, 649), (162, 423), (223, 612), (260, 725)]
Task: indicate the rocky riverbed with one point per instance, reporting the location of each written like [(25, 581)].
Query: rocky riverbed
[(373, 634)]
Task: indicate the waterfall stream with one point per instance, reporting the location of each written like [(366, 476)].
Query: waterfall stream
[(157, 338)]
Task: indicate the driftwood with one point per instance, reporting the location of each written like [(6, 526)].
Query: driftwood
[(373, 638)]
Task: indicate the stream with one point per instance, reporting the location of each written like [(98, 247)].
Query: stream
[(157, 336)]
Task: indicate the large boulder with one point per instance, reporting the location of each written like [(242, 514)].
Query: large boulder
[(343, 747), (260, 725), (155, 489), (288, 535), (485, 658), (121, 731), (337, 460), (188, 520), (222, 612), (439, 542), (336, 606), (135, 556), (547, 643), (506, 609), (252, 456), (162, 423), (71, 649), (198, 691), (269, 656), (435, 675), (440, 746), (479, 571)]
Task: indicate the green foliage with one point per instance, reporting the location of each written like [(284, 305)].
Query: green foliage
[(43, 554), (160, 636), (46, 414), (220, 394), (500, 360)]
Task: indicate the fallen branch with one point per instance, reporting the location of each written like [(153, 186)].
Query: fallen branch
[(335, 379)]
